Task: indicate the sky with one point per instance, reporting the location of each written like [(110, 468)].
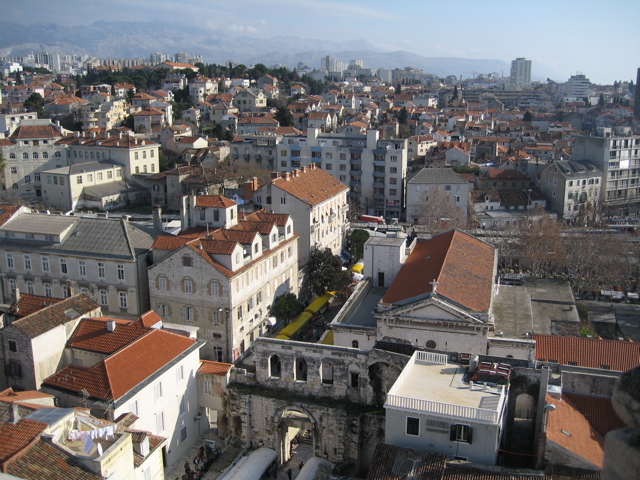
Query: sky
[(561, 37)]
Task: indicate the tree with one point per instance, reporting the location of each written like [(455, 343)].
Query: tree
[(398, 88), (403, 116), (438, 213), (284, 116), (355, 243), (455, 94), (3, 162), (326, 274), (540, 248), (528, 116), (287, 307), (35, 103), (601, 101)]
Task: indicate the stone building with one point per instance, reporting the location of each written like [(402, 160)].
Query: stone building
[(334, 392), (222, 273)]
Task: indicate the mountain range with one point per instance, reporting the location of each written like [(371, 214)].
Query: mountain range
[(138, 39)]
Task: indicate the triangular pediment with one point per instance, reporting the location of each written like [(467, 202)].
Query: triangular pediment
[(432, 308)]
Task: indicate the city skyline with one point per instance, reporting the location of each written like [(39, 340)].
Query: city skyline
[(557, 45)]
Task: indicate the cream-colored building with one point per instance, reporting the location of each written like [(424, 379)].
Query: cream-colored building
[(222, 274), (250, 99), (55, 255), (316, 201)]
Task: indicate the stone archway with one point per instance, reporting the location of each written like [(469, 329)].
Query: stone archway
[(292, 424)]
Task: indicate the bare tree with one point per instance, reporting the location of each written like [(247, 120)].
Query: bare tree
[(437, 212), (539, 247)]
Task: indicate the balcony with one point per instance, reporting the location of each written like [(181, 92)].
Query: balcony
[(356, 172), (332, 218), (378, 196), (355, 162)]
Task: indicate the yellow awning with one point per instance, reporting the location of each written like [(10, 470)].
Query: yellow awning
[(357, 268)]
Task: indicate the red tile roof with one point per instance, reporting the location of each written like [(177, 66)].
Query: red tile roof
[(580, 438), (15, 437), (587, 352), (10, 396), (28, 304), (463, 267), (55, 315), (311, 185), (599, 411), (6, 212), (208, 367), (35, 131), (43, 461), (166, 242), (113, 377), (215, 201), (92, 335)]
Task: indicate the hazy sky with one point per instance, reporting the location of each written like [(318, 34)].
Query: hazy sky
[(562, 37)]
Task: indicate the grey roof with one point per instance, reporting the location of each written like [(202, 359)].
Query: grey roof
[(113, 238), (570, 169), (38, 223), (112, 188), (437, 176), (84, 167)]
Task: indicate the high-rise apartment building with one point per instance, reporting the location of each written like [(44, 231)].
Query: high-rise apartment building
[(578, 86), (521, 72)]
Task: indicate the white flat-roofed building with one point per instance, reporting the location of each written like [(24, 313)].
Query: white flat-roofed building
[(432, 406)]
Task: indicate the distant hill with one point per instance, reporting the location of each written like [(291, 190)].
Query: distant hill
[(139, 39)]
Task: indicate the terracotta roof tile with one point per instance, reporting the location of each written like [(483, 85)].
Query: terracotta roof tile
[(587, 352), (92, 335), (6, 211), (311, 185), (15, 437), (462, 265), (580, 438), (598, 411), (113, 377), (215, 201), (35, 131), (55, 315), (28, 304), (214, 368), (43, 461), (167, 242)]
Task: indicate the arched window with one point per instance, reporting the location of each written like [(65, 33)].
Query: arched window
[(34, 154), (57, 154), (25, 156), (215, 289), (12, 155), (45, 154), (275, 367), (354, 344)]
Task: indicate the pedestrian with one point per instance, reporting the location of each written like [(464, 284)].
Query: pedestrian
[(300, 465), (186, 466), (289, 473)]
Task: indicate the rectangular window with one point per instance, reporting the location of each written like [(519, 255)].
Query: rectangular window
[(133, 407), (186, 261), (163, 310), (413, 426), (101, 271), (120, 272), (27, 262), (79, 179), (215, 317), (160, 422), (157, 391), (47, 290), (10, 263), (206, 384), (82, 267), (104, 297), (461, 433), (13, 346), (63, 266), (188, 314), (162, 284), (123, 300), (188, 286)]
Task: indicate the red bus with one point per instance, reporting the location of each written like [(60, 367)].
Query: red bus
[(372, 219)]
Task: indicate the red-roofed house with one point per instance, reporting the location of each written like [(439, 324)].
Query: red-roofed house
[(316, 201), (442, 295), (161, 390), (213, 378), (222, 273)]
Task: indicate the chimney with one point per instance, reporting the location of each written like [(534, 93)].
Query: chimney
[(287, 176), (16, 295), (157, 218), (92, 134), (304, 169), (14, 414), (274, 175), (106, 135), (255, 183), (111, 325), (76, 134)]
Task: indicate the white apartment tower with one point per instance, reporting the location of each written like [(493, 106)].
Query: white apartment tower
[(521, 72)]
